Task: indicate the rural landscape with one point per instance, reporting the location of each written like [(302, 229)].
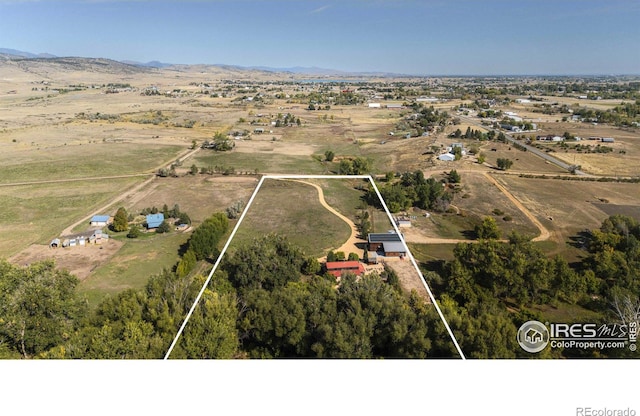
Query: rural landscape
[(517, 198)]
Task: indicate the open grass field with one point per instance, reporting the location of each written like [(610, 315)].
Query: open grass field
[(567, 207), (35, 214), (343, 195), (134, 263), (292, 209), (200, 196), (83, 161), (427, 253), (481, 198), (264, 162)]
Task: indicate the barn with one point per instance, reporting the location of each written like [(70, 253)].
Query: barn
[(388, 243)]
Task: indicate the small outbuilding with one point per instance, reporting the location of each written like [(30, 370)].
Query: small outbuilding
[(447, 157), (100, 220)]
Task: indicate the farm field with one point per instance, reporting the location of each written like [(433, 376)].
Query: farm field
[(200, 196), (567, 207), (35, 214), (84, 161), (135, 261), (292, 209)]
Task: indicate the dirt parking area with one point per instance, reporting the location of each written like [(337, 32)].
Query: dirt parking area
[(409, 277), (79, 261)]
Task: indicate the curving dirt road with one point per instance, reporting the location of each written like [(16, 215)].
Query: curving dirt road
[(350, 245), (415, 236), (544, 232)]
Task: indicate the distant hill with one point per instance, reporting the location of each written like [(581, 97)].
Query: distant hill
[(150, 64), (23, 54), (108, 65), (302, 70)]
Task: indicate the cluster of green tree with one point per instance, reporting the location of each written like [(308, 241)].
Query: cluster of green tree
[(622, 115), (426, 118), (340, 256), (168, 172), (225, 170), (587, 148), (412, 190), (121, 221), (470, 134), (234, 211), (175, 212), (282, 313), (204, 240), (582, 178), (491, 288), (287, 120), (490, 114), (504, 163), (332, 98), (364, 224), (524, 125), (329, 155), (357, 166), (38, 307), (220, 143)]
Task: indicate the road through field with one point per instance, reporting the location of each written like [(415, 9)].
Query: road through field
[(414, 237), (544, 232), (130, 192), (350, 245)]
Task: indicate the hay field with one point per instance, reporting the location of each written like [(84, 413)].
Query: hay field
[(292, 209)]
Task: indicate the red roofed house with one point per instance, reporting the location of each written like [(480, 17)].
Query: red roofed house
[(336, 268)]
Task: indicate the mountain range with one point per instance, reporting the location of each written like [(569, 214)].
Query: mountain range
[(14, 53)]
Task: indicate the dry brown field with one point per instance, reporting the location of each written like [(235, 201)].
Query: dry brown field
[(50, 132), (568, 207)]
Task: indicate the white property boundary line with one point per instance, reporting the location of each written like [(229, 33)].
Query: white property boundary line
[(235, 229)]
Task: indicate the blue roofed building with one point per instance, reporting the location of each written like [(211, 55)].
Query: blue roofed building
[(100, 220), (154, 220)]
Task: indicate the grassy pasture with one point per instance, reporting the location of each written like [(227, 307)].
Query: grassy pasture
[(263, 162), (481, 198), (35, 214), (135, 262), (342, 195), (93, 160), (292, 209), (567, 207), (200, 196)]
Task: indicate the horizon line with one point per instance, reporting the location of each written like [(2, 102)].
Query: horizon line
[(329, 71)]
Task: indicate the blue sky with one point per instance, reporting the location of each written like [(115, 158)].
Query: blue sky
[(425, 37)]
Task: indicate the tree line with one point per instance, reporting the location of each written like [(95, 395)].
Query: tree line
[(491, 288), (266, 300)]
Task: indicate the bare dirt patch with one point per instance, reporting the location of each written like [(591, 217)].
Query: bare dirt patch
[(271, 146), (79, 261), (409, 278)]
